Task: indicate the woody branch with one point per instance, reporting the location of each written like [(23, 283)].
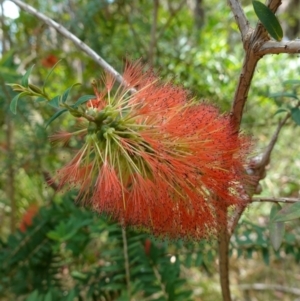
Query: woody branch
[(256, 44)]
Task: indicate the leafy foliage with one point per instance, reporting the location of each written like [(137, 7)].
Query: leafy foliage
[(69, 252)]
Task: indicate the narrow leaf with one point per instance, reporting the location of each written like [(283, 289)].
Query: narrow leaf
[(78, 275), (82, 100), (33, 296), (277, 229), (71, 295), (280, 111), (57, 114), (66, 93), (48, 297), (50, 72), (26, 76), (288, 213), (283, 94), (296, 115), (268, 19), (54, 102), (14, 102)]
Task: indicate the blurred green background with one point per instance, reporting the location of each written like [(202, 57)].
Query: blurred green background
[(53, 249)]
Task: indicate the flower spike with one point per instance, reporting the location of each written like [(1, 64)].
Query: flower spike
[(155, 159)]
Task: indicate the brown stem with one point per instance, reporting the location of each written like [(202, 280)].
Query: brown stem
[(223, 251), (252, 41), (276, 200)]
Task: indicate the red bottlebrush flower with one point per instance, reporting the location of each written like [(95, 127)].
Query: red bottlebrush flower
[(157, 160), (28, 216), (49, 61)]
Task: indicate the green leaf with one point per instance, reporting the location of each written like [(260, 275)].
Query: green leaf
[(268, 19), (71, 295), (57, 114), (283, 94), (33, 296), (50, 72), (281, 111), (78, 275), (277, 229), (54, 102), (296, 115), (66, 93), (48, 297), (25, 77), (14, 102), (82, 100), (53, 235), (288, 213)]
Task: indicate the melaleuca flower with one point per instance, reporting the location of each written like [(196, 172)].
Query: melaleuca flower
[(153, 158)]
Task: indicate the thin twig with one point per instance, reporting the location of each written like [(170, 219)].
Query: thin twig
[(252, 41), (257, 38), (267, 154), (67, 34), (240, 19), (276, 200), (258, 170), (274, 47)]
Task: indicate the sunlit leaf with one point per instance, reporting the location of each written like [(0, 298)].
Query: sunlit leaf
[(57, 114), (268, 19), (288, 213), (277, 229)]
